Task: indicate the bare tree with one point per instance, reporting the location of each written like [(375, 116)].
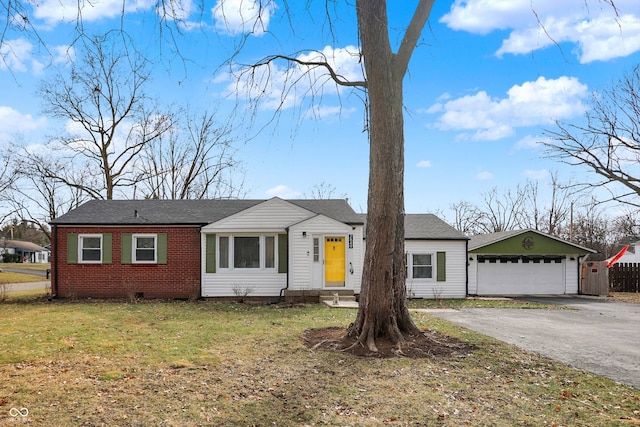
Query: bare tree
[(192, 162), (110, 120), (466, 218), (382, 314), (552, 214), (7, 179), (324, 190), (36, 197), (608, 143)]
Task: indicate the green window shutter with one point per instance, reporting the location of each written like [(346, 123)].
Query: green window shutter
[(107, 245), (282, 253), (72, 248), (162, 248), (125, 248), (210, 252), (441, 266)]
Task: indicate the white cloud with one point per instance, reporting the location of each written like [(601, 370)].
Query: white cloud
[(424, 164), (283, 192), (599, 31), (536, 175), (530, 104), (12, 122), (16, 55), (56, 11), (242, 16), (280, 87), (484, 176), (529, 142)]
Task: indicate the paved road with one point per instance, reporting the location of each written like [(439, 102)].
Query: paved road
[(42, 273), (598, 336)]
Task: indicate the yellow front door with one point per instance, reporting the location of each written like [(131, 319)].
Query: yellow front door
[(334, 261)]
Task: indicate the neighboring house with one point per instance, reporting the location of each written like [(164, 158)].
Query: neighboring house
[(436, 258), (227, 248), (27, 251), (523, 262), (630, 256)]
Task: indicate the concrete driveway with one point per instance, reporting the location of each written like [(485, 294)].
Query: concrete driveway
[(598, 336)]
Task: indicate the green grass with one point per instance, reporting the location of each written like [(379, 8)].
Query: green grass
[(7, 277), (204, 363), (478, 303), (27, 265)]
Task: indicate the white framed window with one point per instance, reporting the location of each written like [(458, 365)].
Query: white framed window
[(145, 248), (90, 248), (420, 266), (247, 252)]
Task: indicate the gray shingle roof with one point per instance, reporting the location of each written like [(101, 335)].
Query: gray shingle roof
[(186, 212), (427, 227)]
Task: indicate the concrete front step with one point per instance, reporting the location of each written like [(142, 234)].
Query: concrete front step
[(318, 295)]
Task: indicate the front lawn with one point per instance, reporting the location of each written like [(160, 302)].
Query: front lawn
[(204, 363)]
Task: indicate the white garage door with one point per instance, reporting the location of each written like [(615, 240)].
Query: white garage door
[(515, 277)]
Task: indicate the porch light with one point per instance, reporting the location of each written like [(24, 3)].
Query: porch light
[(304, 234)]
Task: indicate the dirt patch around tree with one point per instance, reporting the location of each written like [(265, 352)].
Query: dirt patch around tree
[(427, 344)]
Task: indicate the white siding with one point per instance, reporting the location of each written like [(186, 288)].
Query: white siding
[(259, 283), (572, 275), (473, 274), (301, 250), (456, 269), (271, 215)]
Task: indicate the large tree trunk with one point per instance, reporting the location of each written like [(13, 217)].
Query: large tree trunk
[(383, 312)]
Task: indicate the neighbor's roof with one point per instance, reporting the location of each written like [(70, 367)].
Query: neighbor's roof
[(21, 244), (427, 227), (187, 212), (482, 240)]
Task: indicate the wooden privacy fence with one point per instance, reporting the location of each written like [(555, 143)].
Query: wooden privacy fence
[(594, 278), (624, 277)]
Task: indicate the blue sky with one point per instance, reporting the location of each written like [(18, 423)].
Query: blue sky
[(485, 81)]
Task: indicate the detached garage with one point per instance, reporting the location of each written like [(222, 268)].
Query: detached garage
[(523, 262)]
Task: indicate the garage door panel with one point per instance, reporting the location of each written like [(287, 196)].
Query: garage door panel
[(521, 278)]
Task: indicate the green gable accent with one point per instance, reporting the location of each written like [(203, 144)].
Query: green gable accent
[(441, 266), (107, 247), (72, 248), (162, 248), (210, 251), (125, 248), (282, 253), (530, 243)]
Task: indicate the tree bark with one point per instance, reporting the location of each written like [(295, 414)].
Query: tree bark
[(383, 312)]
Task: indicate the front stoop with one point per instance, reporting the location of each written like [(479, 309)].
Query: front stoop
[(326, 296)]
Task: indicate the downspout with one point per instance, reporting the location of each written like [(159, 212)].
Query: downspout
[(466, 270), (287, 283), (54, 264)]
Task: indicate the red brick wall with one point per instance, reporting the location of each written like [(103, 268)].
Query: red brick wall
[(179, 278)]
